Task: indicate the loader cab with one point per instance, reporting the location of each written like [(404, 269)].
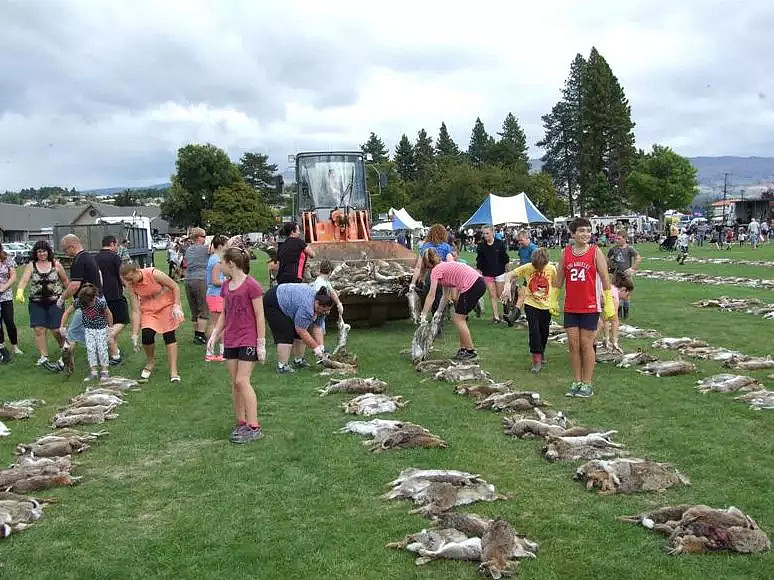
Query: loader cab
[(331, 200)]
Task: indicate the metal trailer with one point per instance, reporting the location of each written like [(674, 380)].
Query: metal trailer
[(91, 236)]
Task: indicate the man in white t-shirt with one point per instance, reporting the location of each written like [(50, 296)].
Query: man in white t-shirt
[(754, 229)]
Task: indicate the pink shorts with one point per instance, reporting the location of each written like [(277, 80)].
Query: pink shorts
[(493, 279), (215, 303)]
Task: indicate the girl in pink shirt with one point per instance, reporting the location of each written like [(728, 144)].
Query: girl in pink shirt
[(462, 281), (244, 340)]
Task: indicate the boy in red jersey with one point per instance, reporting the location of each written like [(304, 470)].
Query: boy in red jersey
[(582, 269)]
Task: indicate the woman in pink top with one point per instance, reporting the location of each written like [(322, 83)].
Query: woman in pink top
[(460, 280), (244, 339), (155, 299)]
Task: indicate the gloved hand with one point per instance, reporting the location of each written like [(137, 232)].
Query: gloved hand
[(60, 302), (505, 297), (20, 296), (412, 287), (135, 343), (319, 351), (260, 350), (553, 302), (177, 312), (608, 306)]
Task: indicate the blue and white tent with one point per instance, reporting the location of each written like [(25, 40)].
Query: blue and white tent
[(401, 220), (517, 209)]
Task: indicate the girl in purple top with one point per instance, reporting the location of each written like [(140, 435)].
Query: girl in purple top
[(244, 339), (458, 281)]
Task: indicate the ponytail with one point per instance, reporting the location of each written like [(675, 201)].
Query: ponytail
[(239, 258)]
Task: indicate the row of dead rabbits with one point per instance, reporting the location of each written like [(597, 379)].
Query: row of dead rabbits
[(47, 462), (495, 543)]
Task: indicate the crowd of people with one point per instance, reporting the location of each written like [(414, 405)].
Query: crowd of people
[(230, 311)]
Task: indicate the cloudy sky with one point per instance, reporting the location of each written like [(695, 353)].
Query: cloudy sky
[(102, 94)]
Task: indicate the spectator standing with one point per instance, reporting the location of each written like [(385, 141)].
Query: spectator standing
[(109, 264), (764, 231), (215, 278), (491, 259), (7, 278), (292, 255), (123, 251), (754, 229), (624, 259), (196, 258), (436, 239), (47, 280)]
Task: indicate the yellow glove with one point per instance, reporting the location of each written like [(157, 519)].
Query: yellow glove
[(553, 302), (608, 306), (20, 296)]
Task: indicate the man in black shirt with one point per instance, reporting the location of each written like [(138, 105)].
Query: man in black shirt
[(84, 270), (291, 255), (109, 263), (491, 258)]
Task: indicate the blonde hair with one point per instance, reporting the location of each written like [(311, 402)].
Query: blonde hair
[(523, 234), (539, 259), (128, 268), (197, 233)]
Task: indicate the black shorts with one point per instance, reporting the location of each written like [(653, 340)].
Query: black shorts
[(120, 310), (584, 321), (243, 353), (149, 337), (467, 300), (282, 327)]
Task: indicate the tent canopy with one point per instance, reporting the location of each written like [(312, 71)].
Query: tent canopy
[(401, 220), (517, 209)]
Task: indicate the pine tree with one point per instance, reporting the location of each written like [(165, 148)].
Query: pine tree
[(480, 144), (375, 146), (423, 154), (445, 145), (404, 159), (511, 150)]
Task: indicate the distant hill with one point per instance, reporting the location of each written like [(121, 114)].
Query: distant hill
[(742, 170), (115, 190)]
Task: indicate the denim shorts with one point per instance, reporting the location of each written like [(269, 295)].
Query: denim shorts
[(45, 315)]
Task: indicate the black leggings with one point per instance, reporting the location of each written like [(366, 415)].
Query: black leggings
[(149, 336), (538, 320), (6, 313)]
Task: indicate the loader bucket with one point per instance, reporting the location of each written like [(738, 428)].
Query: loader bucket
[(390, 302)]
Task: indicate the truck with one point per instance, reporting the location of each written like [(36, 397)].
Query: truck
[(333, 209), (135, 229)]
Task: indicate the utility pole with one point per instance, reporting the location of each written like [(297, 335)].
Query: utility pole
[(725, 193)]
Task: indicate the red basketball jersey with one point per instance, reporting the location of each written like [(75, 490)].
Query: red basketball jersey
[(583, 286)]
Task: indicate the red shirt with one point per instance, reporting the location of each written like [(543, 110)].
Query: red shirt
[(583, 286), (241, 327)]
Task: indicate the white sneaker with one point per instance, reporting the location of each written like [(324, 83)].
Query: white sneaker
[(17, 350), (41, 361)]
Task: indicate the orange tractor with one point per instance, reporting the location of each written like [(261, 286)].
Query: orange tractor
[(333, 208)]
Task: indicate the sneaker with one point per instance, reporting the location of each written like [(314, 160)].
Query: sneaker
[(248, 435), (574, 388), (115, 361), (17, 350), (285, 368), (41, 361), (92, 377), (5, 355), (585, 391), (536, 368), (460, 354), (466, 354), (300, 363), (236, 432), (199, 339)]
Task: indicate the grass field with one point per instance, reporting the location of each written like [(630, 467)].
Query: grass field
[(166, 494)]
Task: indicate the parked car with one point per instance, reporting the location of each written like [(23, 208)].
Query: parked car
[(19, 251)]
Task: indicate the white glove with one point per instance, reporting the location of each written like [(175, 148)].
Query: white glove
[(135, 343), (412, 287), (60, 302), (319, 351), (260, 350), (177, 312)]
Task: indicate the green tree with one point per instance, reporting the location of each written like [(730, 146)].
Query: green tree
[(562, 157), (126, 198), (201, 170), (510, 151), (375, 146), (237, 209), (480, 144), (423, 154), (601, 198), (662, 180), (445, 145), (404, 159)]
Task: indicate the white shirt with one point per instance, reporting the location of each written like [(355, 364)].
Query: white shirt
[(321, 282), (684, 239)]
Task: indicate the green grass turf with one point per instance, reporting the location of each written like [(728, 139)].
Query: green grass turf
[(166, 494)]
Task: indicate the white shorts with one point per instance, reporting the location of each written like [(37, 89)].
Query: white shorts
[(493, 279)]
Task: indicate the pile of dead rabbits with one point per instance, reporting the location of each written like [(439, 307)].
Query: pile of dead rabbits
[(46, 462)]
